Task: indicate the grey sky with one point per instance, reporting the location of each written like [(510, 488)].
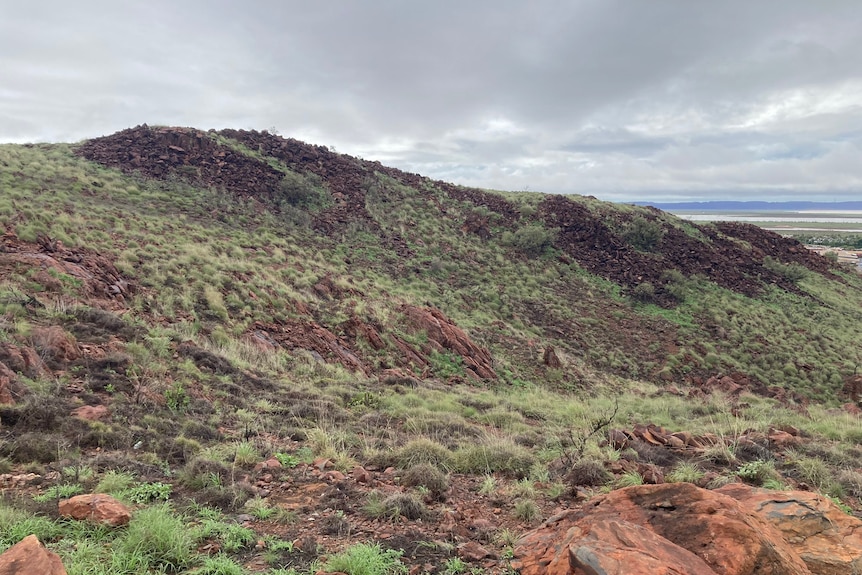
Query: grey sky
[(621, 99)]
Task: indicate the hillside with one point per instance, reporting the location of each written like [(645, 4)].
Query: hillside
[(367, 354)]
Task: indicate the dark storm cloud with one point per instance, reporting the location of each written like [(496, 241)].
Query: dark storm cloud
[(620, 99)]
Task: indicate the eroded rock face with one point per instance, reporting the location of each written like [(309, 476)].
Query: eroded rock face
[(444, 335), (29, 557), (828, 540), (96, 507), (672, 528)]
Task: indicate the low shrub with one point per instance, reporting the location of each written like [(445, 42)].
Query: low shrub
[(526, 510), (589, 473), (424, 451), (495, 455), (427, 476)]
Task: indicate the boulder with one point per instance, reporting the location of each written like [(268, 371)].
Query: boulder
[(7, 383), (674, 528), (91, 412), (29, 557), (828, 540), (96, 507), (607, 547), (57, 347)]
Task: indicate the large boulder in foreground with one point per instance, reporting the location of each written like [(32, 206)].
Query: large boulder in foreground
[(828, 540), (96, 507), (680, 529), (29, 557)]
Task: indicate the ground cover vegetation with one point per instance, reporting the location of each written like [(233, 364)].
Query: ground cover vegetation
[(284, 359)]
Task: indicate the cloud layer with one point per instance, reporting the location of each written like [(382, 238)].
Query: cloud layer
[(625, 100)]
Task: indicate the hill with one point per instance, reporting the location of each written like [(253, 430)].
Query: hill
[(748, 206), (249, 320)]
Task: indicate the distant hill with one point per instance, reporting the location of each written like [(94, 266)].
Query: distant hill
[(742, 206)]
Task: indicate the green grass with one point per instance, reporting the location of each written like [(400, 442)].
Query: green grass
[(366, 559)]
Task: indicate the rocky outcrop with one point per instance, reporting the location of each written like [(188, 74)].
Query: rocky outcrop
[(312, 337), (29, 557), (828, 540), (681, 529), (595, 242), (96, 507), (444, 335), (57, 347), (56, 268)]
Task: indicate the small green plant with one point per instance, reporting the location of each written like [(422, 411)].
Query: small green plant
[(235, 537), (148, 492), (287, 460), (685, 472), (78, 473), (219, 565), (177, 398), (488, 485), (841, 505), (157, 538), (523, 488), (374, 506), (630, 479), (58, 492), (774, 483), (454, 566), (526, 510), (555, 490), (446, 364), (814, 471), (367, 559), (757, 471), (260, 508), (245, 454), (644, 292)]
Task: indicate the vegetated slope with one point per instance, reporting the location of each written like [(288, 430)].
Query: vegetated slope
[(429, 235), (182, 305)]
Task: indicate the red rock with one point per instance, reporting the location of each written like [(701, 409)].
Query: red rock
[(29, 557), (852, 409), (55, 345), (550, 359), (473, 552), (271, 463), (322, 463), (780, 438), (91, 412), (360, 475), (791, 429), (675, 442), (607, 535), (828, 540), (652, 474), (96, 507), (606, 548), (333, 476), (618, 439), (445, 335), (8, 380)]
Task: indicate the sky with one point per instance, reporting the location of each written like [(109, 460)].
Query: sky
[(626, 100)]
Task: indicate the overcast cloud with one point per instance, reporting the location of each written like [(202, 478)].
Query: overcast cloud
[(625, 100)]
